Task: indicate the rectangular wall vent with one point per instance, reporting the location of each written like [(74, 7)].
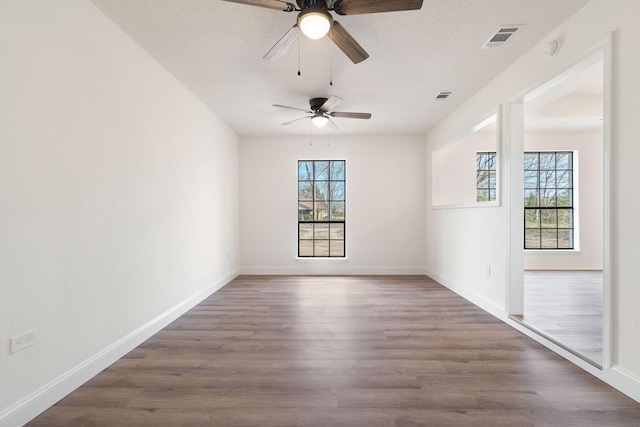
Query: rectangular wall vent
[(443, 95), (501, 36)]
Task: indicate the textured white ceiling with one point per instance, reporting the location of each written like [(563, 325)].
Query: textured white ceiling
[(215, 48)]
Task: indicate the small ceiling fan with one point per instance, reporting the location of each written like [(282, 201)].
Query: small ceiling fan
[(320, 110), (315, 21)]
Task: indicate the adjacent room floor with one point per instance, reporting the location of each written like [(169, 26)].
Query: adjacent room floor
[(568, 307), (341, 351)]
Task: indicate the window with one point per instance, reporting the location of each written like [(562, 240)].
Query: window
[(548, 200), (486, 176), (321, 208)]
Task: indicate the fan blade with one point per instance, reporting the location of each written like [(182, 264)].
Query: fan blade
[(283, 44), (293, 108), (350, 115), (292, 121), (332, 125), (356, 7), (330, 103), (269, 4), (347, 44)]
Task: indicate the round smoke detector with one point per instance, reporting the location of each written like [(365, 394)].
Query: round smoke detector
[(551, 49)]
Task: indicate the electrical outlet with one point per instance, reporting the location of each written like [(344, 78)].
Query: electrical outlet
[(23, 341)]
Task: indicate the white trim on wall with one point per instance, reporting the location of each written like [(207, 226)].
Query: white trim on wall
[(46, 396)]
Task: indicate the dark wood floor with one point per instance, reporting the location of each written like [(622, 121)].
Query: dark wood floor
[(567, 306), (341, 351)]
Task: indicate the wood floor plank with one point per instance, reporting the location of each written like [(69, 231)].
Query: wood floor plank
[(341, 351)]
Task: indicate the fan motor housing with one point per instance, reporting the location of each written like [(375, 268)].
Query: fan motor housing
[(316, 103), (312, 4)]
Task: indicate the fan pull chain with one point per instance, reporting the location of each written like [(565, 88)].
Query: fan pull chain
[(299, 55), (330, 63)]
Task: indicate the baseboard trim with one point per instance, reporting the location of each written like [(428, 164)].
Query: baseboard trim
[(33, 405), (476, 299), (625, 381), (324, 268), (616, 377)]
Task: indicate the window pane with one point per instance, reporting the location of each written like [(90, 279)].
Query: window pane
[(482, 179), (564, 160), (548, 198), (305, 171), (337, 211), (482, 160), (531, 198), (564, 178), (320, 211), (336, 231), (322, 190), (531, 179), (548, 218), (322, 171), (321, 248), (564, 198), (565, 218), (337, 190), (547, 161), (321, 231), (565, 239), (530, 161), (305, 190), (532, 218), (305, 248), (483, 196), (305, 211), (337, 248), (492, 180), (547, 179), (549, 239), (337, 170), (305, 231), (492, 161), (532, 238)]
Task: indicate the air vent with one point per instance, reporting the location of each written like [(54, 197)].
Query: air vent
[(443, 95), (501, 36)]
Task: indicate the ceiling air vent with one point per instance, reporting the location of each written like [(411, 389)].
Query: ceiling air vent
[(443, 95), (501, 36)]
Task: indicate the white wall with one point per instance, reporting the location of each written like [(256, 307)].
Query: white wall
[(385, 204), (453, 168), (119, 198), (588, 158), (581, 33)]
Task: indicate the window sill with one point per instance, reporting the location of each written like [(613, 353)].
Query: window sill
[(467, 205), (324, 260), (552, 251)]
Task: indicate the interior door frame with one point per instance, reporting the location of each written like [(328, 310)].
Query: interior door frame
[(512, 147)]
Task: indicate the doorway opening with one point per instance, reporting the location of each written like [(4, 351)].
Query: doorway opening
[(563, 208)]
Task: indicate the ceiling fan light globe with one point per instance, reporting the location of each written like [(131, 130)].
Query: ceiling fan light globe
[(319, 121), (315, 24)]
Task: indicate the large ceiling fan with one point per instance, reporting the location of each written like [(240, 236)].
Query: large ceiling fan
[(320, 110), (315, 21)]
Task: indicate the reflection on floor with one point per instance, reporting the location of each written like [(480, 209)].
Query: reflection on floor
[(568, 306)]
